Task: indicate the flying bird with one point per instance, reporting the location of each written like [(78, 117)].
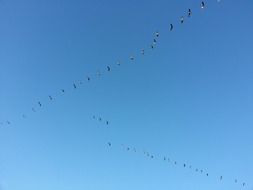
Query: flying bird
[(118, 63), (142, 51), (184, 165), (243, 184), (202, 5), (100, 119), (207, 174), (109, 144), (235, 180), (152, 156), (62, 90), (88, 78), (8, 122), (132, 57), (108, 68), (164, 158), (107, 122), (152, 46), (157, 34), (94, 117), (189, 12), (39, 104), (171, 27), (182, 19), (50, 97), (154, 41), (221, 177), (74, 85)]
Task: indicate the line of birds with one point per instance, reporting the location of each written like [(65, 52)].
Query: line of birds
[(75, 85), (100, 119), (173, 162)]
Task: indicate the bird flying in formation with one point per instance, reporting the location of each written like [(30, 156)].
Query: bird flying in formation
[(39, 104), (182, 19), (74, 85), (189, 12), (108, 68), (171, 27), (202, 5), (157, 34)]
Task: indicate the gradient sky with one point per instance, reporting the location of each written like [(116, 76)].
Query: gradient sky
[(189, 99)]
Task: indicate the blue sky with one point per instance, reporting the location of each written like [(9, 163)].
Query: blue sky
[(189, 99)]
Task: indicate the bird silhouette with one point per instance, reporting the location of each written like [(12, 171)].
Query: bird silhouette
[(189, 12), (171, 27), (203, 5), (182, 19)]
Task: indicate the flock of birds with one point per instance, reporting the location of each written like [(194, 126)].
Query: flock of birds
[(172, 162), (76, 85)]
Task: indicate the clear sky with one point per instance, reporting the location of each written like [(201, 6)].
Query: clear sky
[(189, 99)]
